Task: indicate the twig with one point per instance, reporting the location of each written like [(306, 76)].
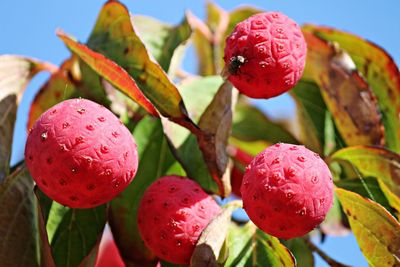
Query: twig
[(323, 255)]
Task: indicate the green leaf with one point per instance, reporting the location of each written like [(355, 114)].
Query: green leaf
[(250, 124), (346, 94), (249, 246), (374, 161), (58, 88), (216, 122), (160, 39), (46, 256), (380, 71), (8, 113), (155, 160), (211, 240), (18, 243), (197, 94), (109, 70), (72, 80), (376, 231), (368, 187), (377, 162), (311, 111), (17, 71), (73, 234), (115, 37), (300, 250)]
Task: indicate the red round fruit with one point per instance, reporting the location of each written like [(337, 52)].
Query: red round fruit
[(287, 190), (241, 159), (172, 214), (108, 255), (80, 154), (265, 55)]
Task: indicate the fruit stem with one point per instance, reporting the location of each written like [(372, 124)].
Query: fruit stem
[(323, 255)]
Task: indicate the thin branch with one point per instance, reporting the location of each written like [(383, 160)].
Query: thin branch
[(323, 255)]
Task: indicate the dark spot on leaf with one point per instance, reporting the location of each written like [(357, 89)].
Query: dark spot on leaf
[(348, 213)]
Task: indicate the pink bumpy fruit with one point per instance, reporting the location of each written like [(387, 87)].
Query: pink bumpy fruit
[(172, 214), (80, 154), (287, 190), (265, 55), (108, 255)]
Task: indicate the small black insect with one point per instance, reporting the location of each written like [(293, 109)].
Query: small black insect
[(235, 63)]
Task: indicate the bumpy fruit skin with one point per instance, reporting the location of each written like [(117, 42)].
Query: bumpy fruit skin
[(172, 214), (80, 154), (265, 55), (287, 190), (108, 255)]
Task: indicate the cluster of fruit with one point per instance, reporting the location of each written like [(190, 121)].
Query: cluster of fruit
[(82, 156)]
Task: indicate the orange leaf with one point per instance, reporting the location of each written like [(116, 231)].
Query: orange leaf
[(109, 70)]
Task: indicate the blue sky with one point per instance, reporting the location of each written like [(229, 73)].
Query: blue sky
[(27, 28)]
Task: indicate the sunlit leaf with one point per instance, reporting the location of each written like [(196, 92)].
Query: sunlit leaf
[(211, 240), (115, 37), (58, 88), (72, 233), (17, 71), (367, 187), (73, 79), (161, 39), (380, 71), (202, 40), (198, 94), (218, 22), (216, 123), (377, 162), (311, 111), (300, 250), (8, 113), (249, 246), (155, 160), (17, 225), (110, 71), (374, 161), (250, 124), (209, 38), (377, 232), (347, 95)]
